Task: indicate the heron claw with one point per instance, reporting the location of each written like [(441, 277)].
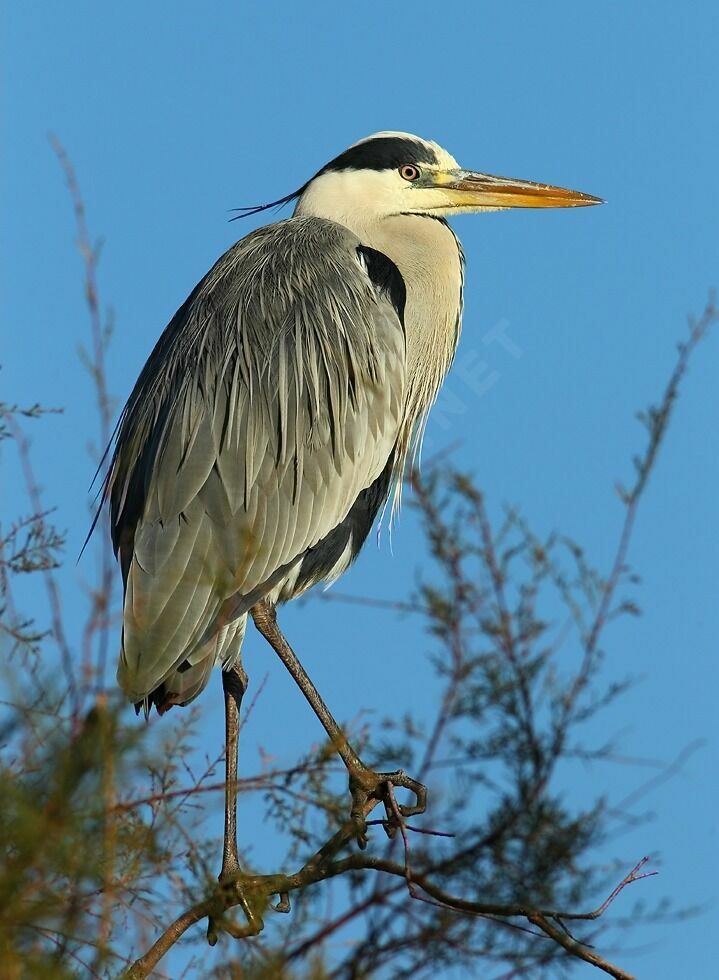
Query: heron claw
[(233, 891), (368, 788), (283, 905)]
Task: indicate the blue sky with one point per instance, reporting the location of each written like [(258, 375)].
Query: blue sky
[(174, 113)]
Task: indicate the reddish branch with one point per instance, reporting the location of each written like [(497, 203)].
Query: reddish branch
[(253, 893), (96, 632), (52, 588), (656, 421)]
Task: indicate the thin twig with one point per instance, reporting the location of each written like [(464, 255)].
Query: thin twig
[(102, 595)]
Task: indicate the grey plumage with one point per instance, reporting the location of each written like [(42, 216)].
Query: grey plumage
[(271, 402)]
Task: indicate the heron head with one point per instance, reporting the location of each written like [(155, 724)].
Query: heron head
[(393, 173)]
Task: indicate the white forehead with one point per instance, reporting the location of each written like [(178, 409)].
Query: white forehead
[(445, 160)]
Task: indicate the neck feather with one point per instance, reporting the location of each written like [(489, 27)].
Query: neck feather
[(429, 256)]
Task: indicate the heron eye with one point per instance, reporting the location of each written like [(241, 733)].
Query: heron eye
[(409, 172)]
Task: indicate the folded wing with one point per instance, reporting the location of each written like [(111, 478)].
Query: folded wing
[(271, 401)]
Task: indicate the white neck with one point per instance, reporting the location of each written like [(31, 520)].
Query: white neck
[(427, 253)]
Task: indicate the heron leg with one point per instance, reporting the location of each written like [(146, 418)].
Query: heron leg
[(366, 786), (234, 685)]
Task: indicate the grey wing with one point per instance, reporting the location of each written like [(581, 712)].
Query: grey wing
[(272, 400)]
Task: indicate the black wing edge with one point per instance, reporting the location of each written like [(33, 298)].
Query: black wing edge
[(386, 277)]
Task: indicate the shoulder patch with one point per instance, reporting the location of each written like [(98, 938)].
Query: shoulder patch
[(385, 276)]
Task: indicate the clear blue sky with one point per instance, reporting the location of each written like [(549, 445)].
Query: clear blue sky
[(175, 112)]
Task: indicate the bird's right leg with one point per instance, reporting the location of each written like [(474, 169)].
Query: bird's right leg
[(366, 785)]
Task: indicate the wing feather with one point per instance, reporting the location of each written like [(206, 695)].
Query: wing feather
[(272, 400)]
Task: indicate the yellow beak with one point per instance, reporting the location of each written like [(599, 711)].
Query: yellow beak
[(469, 190)]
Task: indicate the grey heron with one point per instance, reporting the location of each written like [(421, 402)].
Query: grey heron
[(275, 417)]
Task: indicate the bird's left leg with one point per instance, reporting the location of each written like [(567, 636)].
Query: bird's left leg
[(366, 785), (234, 685)]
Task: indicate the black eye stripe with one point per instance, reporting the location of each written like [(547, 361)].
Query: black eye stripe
[(382, 153)]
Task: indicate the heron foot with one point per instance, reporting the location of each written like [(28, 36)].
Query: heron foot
[(369, 788), (231, 893)]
